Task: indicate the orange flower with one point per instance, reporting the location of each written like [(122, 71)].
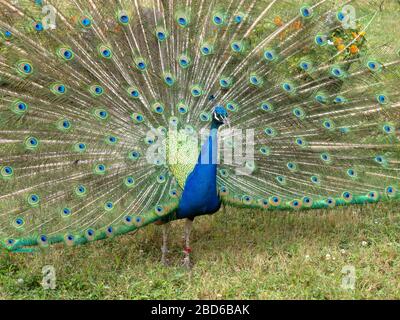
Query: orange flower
[(278, 21), (341, 47), (337, 41), (297, 25), (354, 49)]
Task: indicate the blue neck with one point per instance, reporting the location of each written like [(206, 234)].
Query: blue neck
[(200, 194)]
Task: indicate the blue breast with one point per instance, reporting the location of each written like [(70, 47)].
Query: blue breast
[(200, 194)]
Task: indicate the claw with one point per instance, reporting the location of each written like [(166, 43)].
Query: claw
[(186, 260)]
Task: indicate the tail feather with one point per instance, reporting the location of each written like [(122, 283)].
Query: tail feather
[(86, 103)]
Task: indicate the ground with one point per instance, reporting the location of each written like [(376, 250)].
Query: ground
[(238, 254)]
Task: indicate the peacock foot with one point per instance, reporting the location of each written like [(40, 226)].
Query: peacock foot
[(187, 263)]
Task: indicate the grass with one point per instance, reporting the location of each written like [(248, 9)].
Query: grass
[(237, 255)]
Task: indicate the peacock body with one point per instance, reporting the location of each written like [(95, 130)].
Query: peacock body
[(102, 103)]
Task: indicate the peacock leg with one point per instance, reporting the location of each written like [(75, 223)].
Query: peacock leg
[(187, 250), (164, 248)]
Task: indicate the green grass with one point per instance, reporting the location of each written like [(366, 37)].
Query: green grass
[(237, 255)]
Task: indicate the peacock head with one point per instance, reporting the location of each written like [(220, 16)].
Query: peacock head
[(220, 116)]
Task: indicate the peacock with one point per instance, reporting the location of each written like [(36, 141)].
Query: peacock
[(116, 114)]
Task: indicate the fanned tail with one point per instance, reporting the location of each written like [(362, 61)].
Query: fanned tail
[(90, 89)]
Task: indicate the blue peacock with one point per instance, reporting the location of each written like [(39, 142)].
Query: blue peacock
[(102, 103)]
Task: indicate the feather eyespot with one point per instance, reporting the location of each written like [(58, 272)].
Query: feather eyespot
[(19, 223), (196, 91), (158, 108), (80, 147), (223, 191), (111, 140), (99, 169), (374, 66), (390, 191), (373, 195), (295, 204), (66, 212), (247, 199), (90, 234), (347, 196), (159, 210), (388, 129), (19, 107), (129, 182), (6, 172), (182, 108), (65, 53), (271, 132), (162, 34), (105, 52), (133, 92), (110, 231), (239, 17), (351, 173), (237, 46), (109, 206), (183, 19), (31, 143), (307, 202), (64, 125), (331, 202), (138, 221), (206, 49), (169, 79), (81, 191), (306, 12), (43, 240), (69, 239), (205, 117), (321, 40), (7, 35), (123, 18), (184, 61), (281, 180), (85, 22), (140, 64), (24, 68), (96, 90), (292, 166), (275, 201)]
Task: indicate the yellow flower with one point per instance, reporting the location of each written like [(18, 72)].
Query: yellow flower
[(341, 47)]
